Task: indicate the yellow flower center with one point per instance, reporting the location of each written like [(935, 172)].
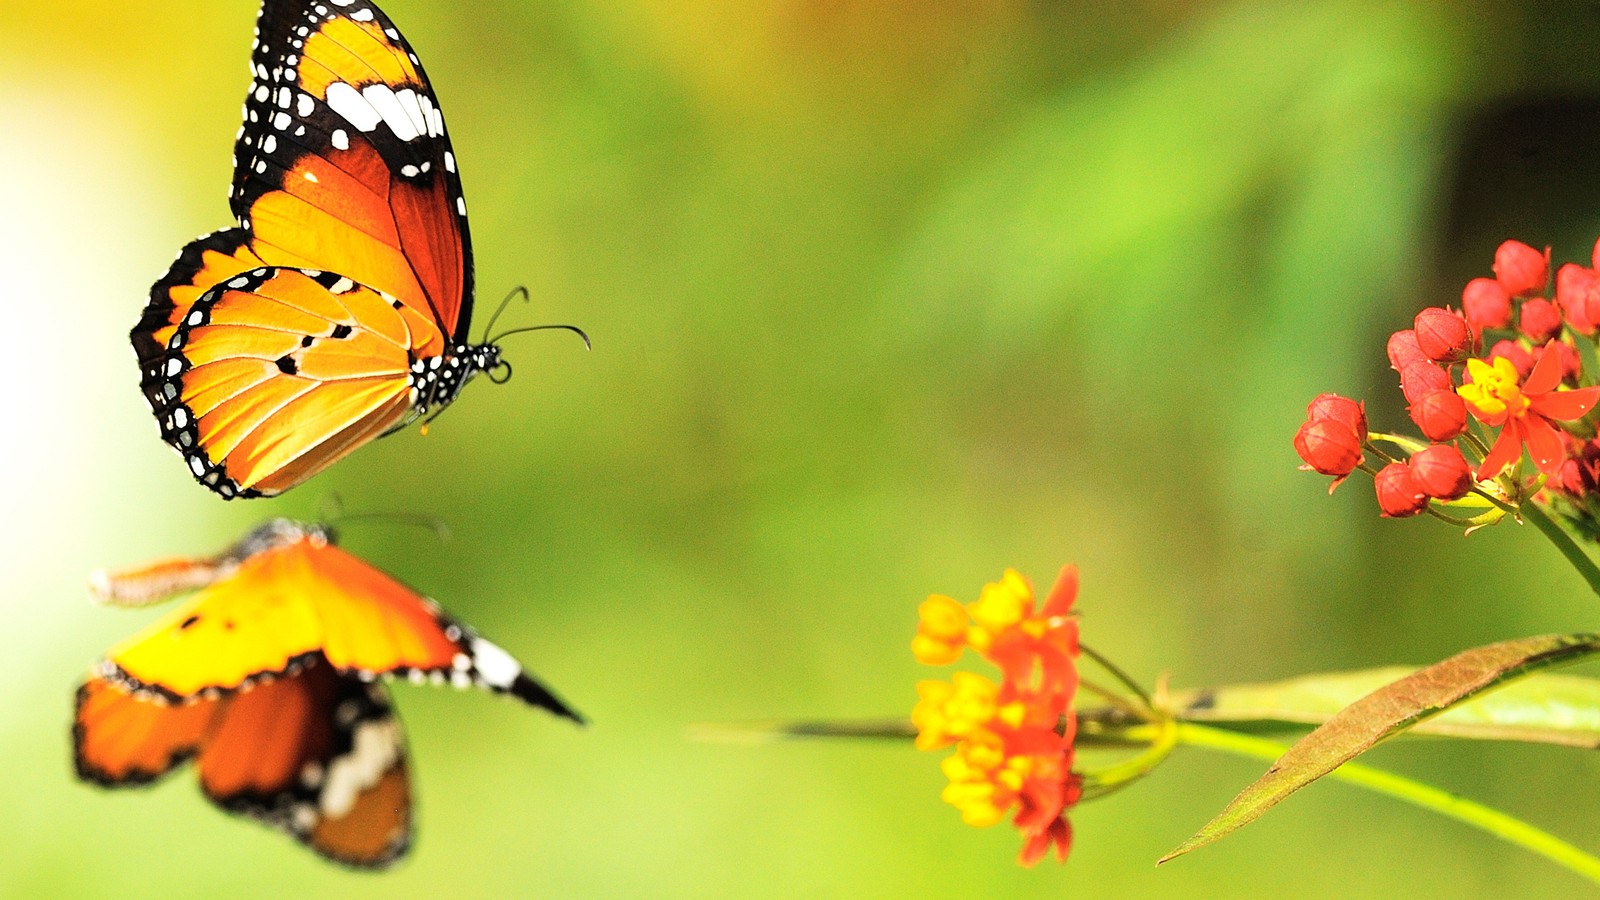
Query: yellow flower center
[(1495, 389)]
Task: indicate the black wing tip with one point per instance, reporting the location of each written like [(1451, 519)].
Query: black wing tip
[(530, 691)]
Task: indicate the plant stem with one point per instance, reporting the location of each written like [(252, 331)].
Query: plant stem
[(1116, 673), (1564, 542), (1491, 821)]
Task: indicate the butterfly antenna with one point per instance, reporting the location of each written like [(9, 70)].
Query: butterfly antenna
[(420, 520), (519, 289), (587, 344)]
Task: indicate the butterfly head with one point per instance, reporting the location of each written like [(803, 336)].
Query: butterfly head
[(276, 534), (438, 380)]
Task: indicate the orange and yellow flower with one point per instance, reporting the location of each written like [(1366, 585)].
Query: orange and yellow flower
[(1527, 410), (1013, 738)]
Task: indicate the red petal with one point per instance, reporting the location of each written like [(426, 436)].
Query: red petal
[(1546, 372), (1507, 450), (1565, 405), (1061, 596), (1544, 444)]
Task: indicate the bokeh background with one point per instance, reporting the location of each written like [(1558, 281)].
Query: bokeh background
[(886, 296)]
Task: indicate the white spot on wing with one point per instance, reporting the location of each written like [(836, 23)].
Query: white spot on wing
[(352, 106), (375, 747), (494, 665), (382, 99), (411, 104)]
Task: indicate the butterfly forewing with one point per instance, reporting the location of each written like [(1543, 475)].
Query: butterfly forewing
[(306, 600), (343, 162)]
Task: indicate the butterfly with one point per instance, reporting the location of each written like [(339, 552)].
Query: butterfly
[(269, 678), (337, 311)]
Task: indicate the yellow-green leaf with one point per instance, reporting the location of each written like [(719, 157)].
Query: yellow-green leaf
[(1541, 708), (1386, 712)]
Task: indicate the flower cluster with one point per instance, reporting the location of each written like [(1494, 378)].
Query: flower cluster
[(1526, 384), (1013, 738)]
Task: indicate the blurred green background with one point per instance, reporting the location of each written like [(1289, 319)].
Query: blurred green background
[(886, 296)]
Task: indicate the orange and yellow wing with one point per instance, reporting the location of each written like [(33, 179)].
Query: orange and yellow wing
[(344, 161), (284, 608), (276, 374), (119, 739), (317, 755), (342, 166)]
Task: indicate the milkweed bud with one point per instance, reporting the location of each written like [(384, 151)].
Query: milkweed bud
[(1404, 350), (1441, 415), (1328, 447), (1419, 379), (1443, 335), (1520, 268), (1486, 304), (1539, 320), (1399, 496), (1578, 295), (1339, 409), (1441, 472)]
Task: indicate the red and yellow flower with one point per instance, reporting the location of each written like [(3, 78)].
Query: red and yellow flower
[(1527, 410), (1013, 739)]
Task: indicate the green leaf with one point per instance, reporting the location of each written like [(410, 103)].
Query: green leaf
[(1541, 709), (1386, 712)]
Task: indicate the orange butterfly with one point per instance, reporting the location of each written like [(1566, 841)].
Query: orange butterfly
[(337, 311), (268, 677)]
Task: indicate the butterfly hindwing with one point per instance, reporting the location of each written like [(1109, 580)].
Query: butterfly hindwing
[(201, 264), (119, 739), (320, 756), (276, 374), (317, 755)]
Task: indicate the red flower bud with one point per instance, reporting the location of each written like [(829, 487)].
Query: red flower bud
[(1404, 350), (1595, 257), (1443, 336), (1570, 479), (1578, 293), (1520, 268), (1419, 379), (1580, 474), (1399, 495), (1486, 304), (1329, 447), (1539, 320), (1513, 351), (1343, 410), (1441, 472), (1441, 415)]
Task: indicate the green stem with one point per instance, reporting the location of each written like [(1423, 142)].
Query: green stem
[(1409, 444), (1564, 542), (1491, 821), (1117, 673)]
